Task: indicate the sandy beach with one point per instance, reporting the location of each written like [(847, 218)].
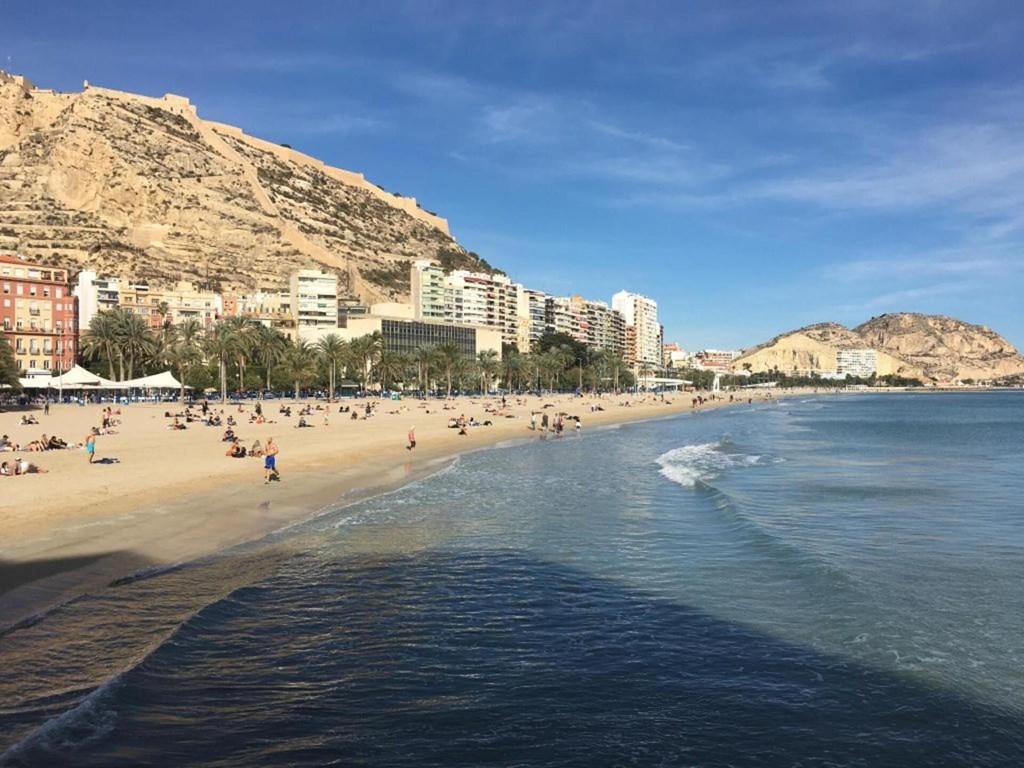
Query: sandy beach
[(170, 496)]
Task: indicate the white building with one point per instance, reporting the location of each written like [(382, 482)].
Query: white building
[(314, 298), (95, 295), (428, 291), (856, 362), (531, 311), (641, 314)]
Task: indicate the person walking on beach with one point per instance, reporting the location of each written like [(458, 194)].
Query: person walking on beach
[(412, 439), (270, 461), (90, 446)]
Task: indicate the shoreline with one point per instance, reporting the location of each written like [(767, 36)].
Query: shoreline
[(55, 549)]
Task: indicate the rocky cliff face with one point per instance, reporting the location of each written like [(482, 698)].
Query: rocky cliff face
[(927, 347), (143, 188), (944, 347)]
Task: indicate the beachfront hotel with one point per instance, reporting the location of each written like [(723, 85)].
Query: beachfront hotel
[(37, 314)]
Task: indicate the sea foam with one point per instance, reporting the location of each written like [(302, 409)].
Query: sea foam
[(692, 463)]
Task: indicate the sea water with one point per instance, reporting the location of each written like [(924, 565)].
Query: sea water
[(828, 581)]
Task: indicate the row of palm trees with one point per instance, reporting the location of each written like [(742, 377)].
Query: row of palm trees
[(125, 343)]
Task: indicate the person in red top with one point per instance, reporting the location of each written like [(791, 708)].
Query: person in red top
[(412, 439)]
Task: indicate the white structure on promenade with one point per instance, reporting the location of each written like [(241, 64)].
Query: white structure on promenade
[(641, 314)]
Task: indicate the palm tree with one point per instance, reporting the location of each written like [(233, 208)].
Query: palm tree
[(617, 364), (135, 341), (513, 366), (425, 357), (464, 371), (101, 340), (300, 364), (489, 365), (184, 349), (551, 364), (447, 355), (269, 347), (332, 348), (390, 367), (245, 329), (223, 343)]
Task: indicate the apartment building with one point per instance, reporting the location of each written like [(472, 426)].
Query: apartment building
[(38, 315), (95, 294), (856, 362), (314, 298), (601, 326), (428, 291), (641, 314), (170, 306)]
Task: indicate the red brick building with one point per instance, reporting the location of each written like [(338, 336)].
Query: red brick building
[(37, 315)]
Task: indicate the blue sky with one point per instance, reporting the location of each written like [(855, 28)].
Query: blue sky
[(753, 166)]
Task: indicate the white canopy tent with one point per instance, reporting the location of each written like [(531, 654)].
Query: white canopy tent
[(163, 380), (79, 378)]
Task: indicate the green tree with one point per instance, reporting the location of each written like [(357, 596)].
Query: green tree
[(101, 340), (390, 368), (332, 349), (269, 347), (184, 349), (489, 365), (425, 358), (135, 340), (448, 355), (245, 330), (222, 344), (513, 365), (300, 364), (8, 366)]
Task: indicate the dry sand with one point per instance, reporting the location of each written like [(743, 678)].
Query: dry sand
[(173, 496)]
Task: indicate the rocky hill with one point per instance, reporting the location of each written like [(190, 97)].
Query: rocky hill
[(142, 187), (928, 347), (944, 347)]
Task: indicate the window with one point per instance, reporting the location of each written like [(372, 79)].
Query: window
[(46, 364), (31, 290), (46, 291), (7, 288), (21, 289), (60, 293)]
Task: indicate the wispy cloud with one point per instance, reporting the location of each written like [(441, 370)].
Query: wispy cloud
[(923, 266)]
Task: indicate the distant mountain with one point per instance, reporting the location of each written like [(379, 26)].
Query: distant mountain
[(142, 187), (928, 347)]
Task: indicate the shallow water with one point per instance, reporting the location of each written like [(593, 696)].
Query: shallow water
[(833, 581)]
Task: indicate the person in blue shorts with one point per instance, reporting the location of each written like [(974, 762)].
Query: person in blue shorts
[(270, 460)]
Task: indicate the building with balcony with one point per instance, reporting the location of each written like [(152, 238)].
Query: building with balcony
[(95, 294), (163, 307), (856, 362), (38, 315), (428, 291), (314, 298), (641, 314)]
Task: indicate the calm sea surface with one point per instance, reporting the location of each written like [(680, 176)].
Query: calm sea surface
[(834, 581)]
